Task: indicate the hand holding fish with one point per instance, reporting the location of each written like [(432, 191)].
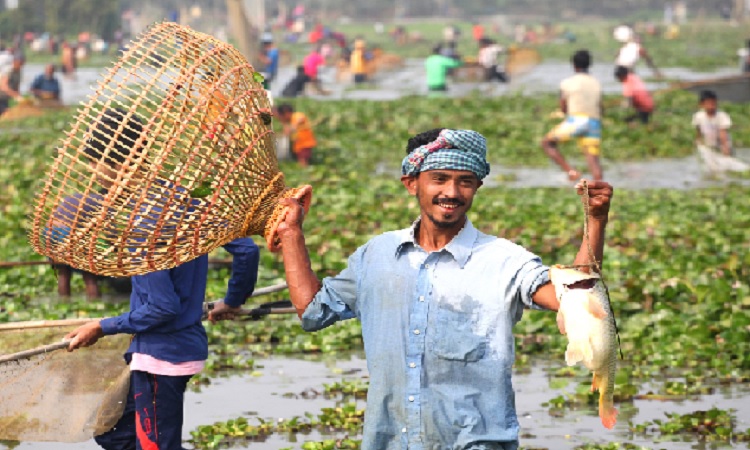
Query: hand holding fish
[(600, 194)]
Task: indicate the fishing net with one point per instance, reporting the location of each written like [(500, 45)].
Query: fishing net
[(521, 60), (60, 396), (172, 156)]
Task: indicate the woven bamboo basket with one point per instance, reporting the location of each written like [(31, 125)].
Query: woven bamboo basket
[(172, 156)]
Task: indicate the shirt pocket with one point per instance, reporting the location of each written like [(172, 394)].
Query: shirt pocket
[(454, 338)]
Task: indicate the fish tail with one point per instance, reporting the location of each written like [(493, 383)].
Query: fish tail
[(607, 411)]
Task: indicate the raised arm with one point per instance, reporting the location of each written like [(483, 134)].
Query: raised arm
[(302, 281), (600, 195)]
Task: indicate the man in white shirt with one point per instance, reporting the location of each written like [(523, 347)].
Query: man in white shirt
[(632, 51), (488, 59), (712, 125)]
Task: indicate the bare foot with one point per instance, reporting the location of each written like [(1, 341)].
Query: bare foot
[(574, 175)]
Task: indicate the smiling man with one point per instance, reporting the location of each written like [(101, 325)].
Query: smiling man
[(437, 302)]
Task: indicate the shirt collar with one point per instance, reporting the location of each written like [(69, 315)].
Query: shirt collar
[(460, 247)]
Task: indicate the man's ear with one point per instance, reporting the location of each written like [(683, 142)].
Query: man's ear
[(410, 183)]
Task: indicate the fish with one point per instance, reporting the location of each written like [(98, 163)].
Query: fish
[(586, 318)]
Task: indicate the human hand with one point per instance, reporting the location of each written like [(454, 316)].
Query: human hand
[(600, 196), (222, 311), (85, 335), (293, 218)]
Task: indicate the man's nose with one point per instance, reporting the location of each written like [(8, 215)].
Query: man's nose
[(451, 189)]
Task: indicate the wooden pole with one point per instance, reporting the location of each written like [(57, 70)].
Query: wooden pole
[(10, 326), (33, 352)]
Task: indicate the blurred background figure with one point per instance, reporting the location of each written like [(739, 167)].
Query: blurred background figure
[(312, 63), (64, 276), (437, 66), (494, 69), (270, 58), (68, 62), (46, 86), (712, 125), (632, 51), (636, 94), (477, 32), (10, 83), (299, 130), (358, 62)]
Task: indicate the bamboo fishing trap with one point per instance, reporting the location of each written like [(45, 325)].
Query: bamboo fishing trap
[(172, 156)]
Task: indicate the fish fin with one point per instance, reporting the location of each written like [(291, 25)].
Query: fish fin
[(607, 411), (561, 322), (595, 308), (575, 353)]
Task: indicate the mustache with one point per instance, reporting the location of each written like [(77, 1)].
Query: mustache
[(448, 201)]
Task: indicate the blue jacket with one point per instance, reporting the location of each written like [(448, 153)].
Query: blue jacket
[(166, 306)]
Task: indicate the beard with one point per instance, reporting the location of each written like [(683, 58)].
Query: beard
[(445, 224)]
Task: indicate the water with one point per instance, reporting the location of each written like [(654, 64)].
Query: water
[(664, 173), (545, 77), (266, 395), (260, 394), (408, 80)]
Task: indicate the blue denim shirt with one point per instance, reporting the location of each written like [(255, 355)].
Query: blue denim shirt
[(437, 329)]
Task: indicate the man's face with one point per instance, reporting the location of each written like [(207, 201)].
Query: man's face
[(709, 105), (285, 117), (444, 195), (106, 172), (49, 71)]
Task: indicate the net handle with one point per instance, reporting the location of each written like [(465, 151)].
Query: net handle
[(43, 324), (34, 352)]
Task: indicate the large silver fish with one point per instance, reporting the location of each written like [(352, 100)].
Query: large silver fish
[(586, 318)]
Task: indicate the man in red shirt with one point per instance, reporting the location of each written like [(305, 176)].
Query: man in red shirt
[(636, 93)]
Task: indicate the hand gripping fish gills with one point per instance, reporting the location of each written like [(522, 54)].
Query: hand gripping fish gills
[(586, 318)]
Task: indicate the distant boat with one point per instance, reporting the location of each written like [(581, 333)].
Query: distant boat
[(735, 88)]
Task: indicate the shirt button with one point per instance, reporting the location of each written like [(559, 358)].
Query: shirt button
[(426, 266), (412, 365), (403, 430), (416, 331), (411, 398), (421, 298)]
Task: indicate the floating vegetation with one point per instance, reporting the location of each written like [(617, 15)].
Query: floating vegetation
[(712, 425), (345, 418)]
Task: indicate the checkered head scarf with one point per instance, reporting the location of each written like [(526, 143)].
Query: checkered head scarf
[(452, 150)]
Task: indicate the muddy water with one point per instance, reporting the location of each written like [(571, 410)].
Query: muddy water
[(546, 77), (408, 80), (286, 387), (279, 388), (666, 173)]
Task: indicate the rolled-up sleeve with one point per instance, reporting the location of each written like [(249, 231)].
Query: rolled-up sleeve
[(245, 258), (532, 275), (337, 299)]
